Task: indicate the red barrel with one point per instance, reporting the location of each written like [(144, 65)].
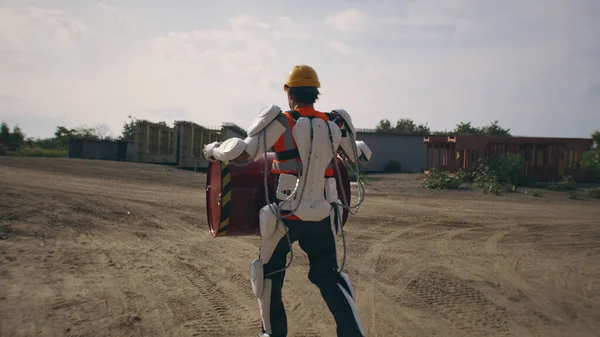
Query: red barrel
[(235, 195)]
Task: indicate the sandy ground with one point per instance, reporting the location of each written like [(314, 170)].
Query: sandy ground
[(94, 248)]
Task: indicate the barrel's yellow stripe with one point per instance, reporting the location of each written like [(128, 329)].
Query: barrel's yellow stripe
[(226, 179), (225, 199)]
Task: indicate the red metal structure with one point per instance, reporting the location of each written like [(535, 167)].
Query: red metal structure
[(545, 158)]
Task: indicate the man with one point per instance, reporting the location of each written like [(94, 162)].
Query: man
[(308, 209)]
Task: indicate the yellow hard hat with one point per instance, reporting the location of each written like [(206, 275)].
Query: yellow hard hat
[(302, 76)]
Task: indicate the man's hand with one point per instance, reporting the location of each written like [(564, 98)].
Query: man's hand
[(208, 150)]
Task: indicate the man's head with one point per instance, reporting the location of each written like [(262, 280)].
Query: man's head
[(302, 86)]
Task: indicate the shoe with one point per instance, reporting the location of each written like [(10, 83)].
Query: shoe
[(263, 335)]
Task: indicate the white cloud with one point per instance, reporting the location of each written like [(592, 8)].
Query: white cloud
[(44, 28), (110, 8), (64, 27), (205, 75), (433, 61), (11, 42), (350, 20), (284, 20), (218, 75), (286, 29), (289, 36), (36, 40), (244, 21), (237, 50), (427, 19), (107, 7), (340, 47)]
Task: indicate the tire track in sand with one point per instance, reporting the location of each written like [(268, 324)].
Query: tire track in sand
[(491, 244), (464, 306), (393, 271), (516, 289), (374, 278), (225, 311)]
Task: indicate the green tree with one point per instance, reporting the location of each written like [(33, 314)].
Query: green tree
[(63, 134), (404, 125), (466, 129), (590, 160), (85, 132), (384, 125), (17, 137), (11, 140), (493, 129), (4, 134), (129, 129), (596, 139), (422, 129)]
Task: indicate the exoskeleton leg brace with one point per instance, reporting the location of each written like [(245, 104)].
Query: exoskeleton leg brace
[(343, 281), (271, 232)]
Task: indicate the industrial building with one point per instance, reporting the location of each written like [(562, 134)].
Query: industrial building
[(546, 159), (393, 151)]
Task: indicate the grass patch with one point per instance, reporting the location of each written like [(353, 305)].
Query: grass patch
[(38, 152), (593, 192)]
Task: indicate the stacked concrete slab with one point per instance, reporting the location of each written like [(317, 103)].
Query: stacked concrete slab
[(155, 143), (230, 130), (191, 140), (180, 145)]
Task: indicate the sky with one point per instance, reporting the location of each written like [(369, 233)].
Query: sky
[(532, 65)]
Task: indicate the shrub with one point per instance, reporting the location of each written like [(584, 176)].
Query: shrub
[(489, 184), (438, 179), (565, 184), (593, 192), (590, 161), (537, 193), (509, 169), (487, 179), (466, 177), (501, 171), (491, 176), (393, 166)]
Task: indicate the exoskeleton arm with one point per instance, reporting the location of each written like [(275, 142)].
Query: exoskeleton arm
[(262, 135), (353, 150)]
